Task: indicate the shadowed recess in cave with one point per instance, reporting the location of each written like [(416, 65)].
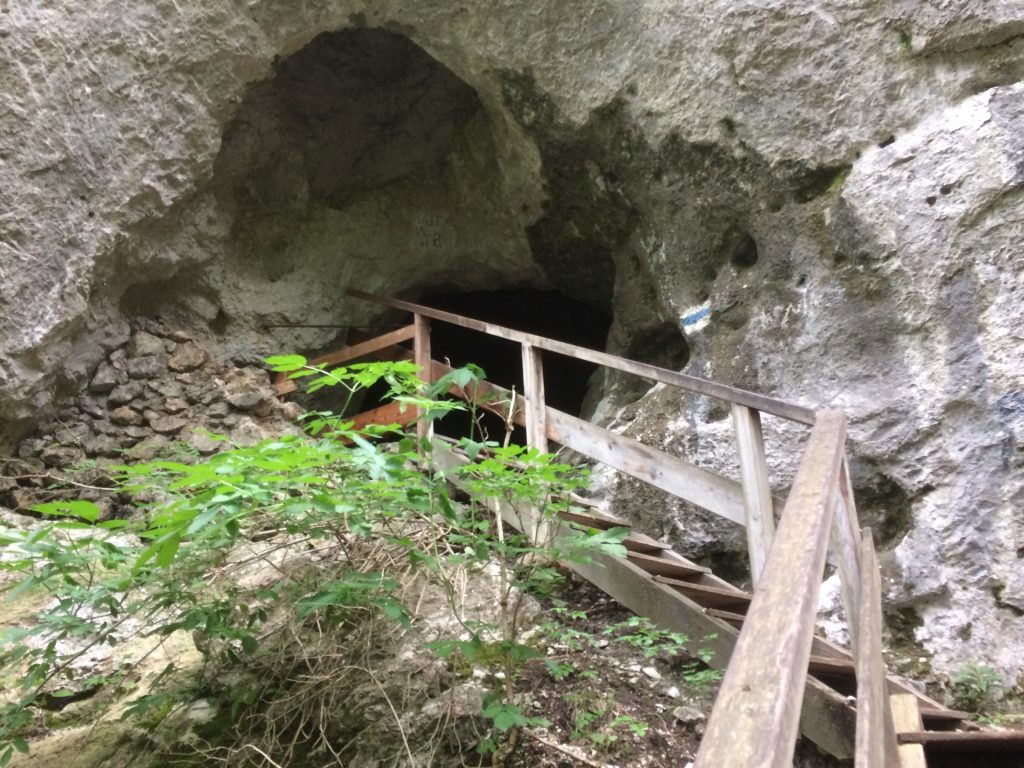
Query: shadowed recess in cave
[(545, 313)]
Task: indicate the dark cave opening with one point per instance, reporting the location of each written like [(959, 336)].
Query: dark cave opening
[(543, 312)]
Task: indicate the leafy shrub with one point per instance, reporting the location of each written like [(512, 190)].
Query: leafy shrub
[(176, 565), (975, 684)]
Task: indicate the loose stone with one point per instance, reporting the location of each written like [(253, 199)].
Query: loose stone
[(167, 425), (125, 393), (104, 380), (188, 357), (126, 416), (145, 368)]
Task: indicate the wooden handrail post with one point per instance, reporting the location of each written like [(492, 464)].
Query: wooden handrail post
[(422, 358), (876, 736), (757, 713), (533, 391), (757, 492), (845, 538), (907, 717)]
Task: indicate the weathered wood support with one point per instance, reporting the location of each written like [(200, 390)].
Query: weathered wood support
[(907, 719), (687, 481), (533, 389), (876, 738), (846, 549), (763, 403), (422, 358), (758, 505)]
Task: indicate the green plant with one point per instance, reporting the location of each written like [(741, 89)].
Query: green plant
[(599, 724), (336, 490), (975, 684), (643, 634)]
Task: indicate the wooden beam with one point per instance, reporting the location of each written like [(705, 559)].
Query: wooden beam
[(286, 385), (763, 403), (847, 548), (658, 565), (967, 741), (757, 712), (422, 358), (907, 717), (758, 505), (876, 739), (702, 487), (533, 390)]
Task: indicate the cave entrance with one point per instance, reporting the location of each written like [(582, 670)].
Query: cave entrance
[(543, 312)]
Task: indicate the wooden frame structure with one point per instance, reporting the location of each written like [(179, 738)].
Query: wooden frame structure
[(766, 695)]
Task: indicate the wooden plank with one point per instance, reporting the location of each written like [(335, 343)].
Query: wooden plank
[(705, 595), (706, 489), (907, 717), (534, 414), (758, 505), (421, 355), (391, 413), (846, 546), (643, 544), (533, 390), (875, 744), (938, 715), (350, 353), (665, 566), (593, 520), (736, 619), (967, 741), (757, 712), (930, 709), (827, 665), (763, 403), (385, 415)]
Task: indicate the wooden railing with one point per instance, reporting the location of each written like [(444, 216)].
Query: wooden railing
[(757, 714)]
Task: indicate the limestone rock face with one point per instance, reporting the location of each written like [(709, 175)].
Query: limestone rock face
[(839, 183)]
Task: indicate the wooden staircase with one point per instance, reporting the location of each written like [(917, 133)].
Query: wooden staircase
[(780, 676)]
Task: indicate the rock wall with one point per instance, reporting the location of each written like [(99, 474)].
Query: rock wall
[(838, 183)]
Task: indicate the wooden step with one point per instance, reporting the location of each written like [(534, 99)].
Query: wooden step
[(592, 519), (667, 566), (943, 717), (736, 619), (709, 597), (643, 544), (824, 665), (966, 741)]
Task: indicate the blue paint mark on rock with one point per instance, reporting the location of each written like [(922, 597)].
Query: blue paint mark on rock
[(696, 318)]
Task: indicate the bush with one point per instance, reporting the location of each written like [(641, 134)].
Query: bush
[(176, 565)]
